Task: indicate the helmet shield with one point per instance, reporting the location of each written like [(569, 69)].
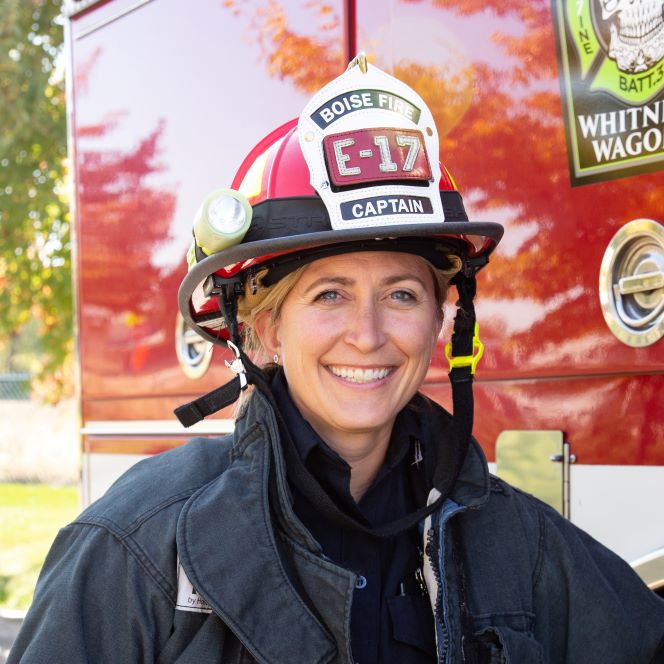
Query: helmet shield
[(371, 146)]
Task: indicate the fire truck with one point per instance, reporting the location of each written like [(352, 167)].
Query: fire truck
[(551, 118)]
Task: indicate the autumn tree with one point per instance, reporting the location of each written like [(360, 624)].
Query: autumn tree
[(35, 281)]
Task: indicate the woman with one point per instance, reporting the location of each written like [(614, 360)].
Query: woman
[(348, 519)]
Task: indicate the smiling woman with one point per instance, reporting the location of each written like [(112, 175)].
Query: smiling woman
[(355, 335), (348, 519)]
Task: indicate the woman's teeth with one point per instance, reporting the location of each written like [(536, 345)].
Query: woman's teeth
[(360, 375)]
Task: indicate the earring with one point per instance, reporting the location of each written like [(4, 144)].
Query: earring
[(275, 359)]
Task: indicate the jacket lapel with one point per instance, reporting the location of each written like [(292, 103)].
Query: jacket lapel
[(227, 548)]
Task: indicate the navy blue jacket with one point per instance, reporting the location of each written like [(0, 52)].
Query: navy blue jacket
[(196, 556)]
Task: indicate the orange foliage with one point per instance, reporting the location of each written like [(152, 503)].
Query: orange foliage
[(309, 62)]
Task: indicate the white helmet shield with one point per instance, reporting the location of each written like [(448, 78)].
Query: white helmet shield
[(371, 146)]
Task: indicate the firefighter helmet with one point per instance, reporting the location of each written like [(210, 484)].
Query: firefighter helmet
[(357, 171)]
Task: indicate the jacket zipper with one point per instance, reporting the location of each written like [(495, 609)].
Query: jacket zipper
[(432, 550)]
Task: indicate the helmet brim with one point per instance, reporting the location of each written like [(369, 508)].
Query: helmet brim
[(476, 238)]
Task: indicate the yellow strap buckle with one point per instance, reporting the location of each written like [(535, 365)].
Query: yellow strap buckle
[(466, 360)]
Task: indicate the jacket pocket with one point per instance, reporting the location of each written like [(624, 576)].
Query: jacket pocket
[(505, 639), (412, 622)]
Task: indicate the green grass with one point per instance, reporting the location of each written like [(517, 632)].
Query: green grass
[(30, 517)]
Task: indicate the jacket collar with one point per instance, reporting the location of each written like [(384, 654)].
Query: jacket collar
[(472, 486), (229, 550)]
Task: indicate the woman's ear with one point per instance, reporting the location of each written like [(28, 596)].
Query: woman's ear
[(267, 331)]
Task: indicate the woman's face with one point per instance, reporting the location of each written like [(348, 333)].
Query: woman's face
[(355, 336)]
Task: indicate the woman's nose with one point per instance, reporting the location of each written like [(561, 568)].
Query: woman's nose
[(366, 328)]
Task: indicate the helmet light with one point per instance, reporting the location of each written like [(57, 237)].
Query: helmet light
[(222, 220)]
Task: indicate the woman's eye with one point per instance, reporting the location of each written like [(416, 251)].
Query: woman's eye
[(403, 296), (328, 296)]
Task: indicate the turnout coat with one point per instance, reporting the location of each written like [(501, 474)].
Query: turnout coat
[(195, 556)]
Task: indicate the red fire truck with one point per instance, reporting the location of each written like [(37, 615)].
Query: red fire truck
[(551, 117)]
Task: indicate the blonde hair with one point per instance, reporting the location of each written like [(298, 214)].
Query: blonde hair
[(271, 298), (265, 298)]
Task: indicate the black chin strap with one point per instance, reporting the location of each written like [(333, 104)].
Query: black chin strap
[(208, 404), (221, 397), (461, 375), (452, 442)]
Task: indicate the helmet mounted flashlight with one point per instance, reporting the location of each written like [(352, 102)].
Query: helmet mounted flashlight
[(222, 221)]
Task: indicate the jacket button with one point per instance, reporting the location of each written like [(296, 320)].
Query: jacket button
[(361, 582)]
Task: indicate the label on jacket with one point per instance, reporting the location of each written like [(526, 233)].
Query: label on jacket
[(188, 599)]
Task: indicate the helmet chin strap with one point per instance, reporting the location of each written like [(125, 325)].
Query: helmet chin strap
[(243, 368), (214, 401), (462, 369)]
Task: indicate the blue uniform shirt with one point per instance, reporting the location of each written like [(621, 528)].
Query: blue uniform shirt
[(391, 618)]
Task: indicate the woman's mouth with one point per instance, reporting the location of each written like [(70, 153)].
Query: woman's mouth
[(359, 375)]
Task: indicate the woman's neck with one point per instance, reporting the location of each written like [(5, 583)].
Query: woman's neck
[(364, 453)]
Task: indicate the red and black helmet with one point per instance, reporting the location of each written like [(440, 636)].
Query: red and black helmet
[(358, 171)]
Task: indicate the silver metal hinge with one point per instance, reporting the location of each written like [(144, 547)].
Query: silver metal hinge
[(567, 459)]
